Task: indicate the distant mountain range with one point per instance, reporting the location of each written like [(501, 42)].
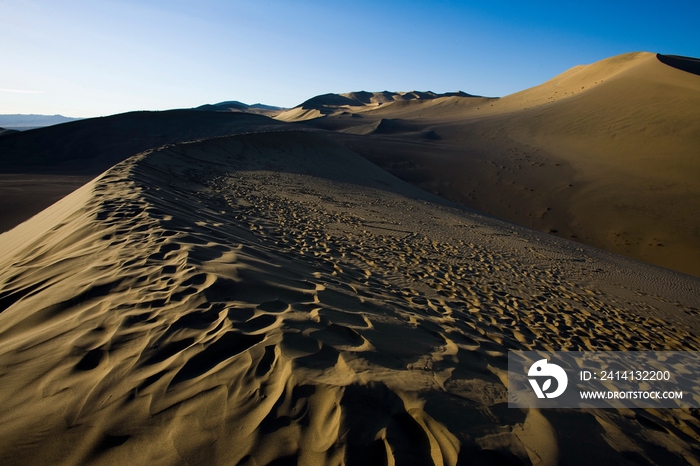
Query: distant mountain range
[(23, 122)]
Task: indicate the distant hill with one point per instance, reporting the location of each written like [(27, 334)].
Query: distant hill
[(24, 122), (236, 106), (39, 167)]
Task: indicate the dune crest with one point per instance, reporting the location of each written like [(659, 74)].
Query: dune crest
[(575, 80), (276, 297)]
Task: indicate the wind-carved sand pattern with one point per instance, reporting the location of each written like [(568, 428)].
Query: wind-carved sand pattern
[(276, 299)]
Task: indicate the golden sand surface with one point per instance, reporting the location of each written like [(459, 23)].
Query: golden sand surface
[(274, 298)]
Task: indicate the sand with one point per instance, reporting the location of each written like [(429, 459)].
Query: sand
[(275, 298), (605, 154)]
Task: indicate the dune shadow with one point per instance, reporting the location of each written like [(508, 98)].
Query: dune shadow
[(687, 64)]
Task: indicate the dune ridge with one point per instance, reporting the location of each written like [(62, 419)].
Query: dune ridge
[(355, 102), (274, 297)]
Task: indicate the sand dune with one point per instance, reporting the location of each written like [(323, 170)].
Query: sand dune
[(40, 166), (356, 102), (93, 145), (5, 131), (275, 298), (606, 154)]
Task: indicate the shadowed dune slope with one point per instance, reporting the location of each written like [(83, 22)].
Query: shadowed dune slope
[(606, 154), (689, 64), (236, 106), (277, 299), (88, 147)]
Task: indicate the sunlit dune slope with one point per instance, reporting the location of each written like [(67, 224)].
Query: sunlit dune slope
[(606, 154), (276, 297)]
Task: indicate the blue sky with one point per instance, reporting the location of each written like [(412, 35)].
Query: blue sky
[(89, 58)]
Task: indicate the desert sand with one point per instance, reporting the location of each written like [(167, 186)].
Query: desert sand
[(606, 154), (274, 298)]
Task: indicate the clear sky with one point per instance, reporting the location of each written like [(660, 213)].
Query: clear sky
[(89, 58)]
